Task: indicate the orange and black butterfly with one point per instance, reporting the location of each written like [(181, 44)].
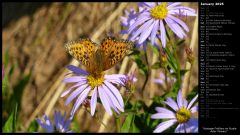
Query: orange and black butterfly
[(98, 58)]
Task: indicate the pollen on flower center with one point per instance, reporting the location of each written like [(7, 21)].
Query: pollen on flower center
[(183, 115), (160, 11), (95, 81)]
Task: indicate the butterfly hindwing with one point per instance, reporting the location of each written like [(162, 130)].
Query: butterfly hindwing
[(113, 51)]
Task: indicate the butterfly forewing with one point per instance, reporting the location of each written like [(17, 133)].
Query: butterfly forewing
[(113, 51), (82, 50)]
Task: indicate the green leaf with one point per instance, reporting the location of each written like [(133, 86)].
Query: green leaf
[(6, 58), (11, 71), (128, 123), (135, 129), (75, 126), (10, 125), (18, 89), (172, 61), (143, 68), (182, 72), (135, 51), (33, 126), (156, 65), (180, 42), (158, 99)]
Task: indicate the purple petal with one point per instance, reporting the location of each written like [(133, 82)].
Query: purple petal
[(47, 125), (159, 81), (194, 109), (123, 32), (113, 98), (76, 70), (79, 101), (180, 128), (117, 79), (94, 101), (191, 103), (148, 4), (66, 126), (145, 34), (114, 76), (164, 110), (141, 29), (179, 12), (163, 34), (138, 22), (112, 106), (47, 121), (172, 26), (183, 10), (74, 79), (185, 103), (76, 93), (154, 31), (70, 89), (141, 15), (56, 118), (192, 126), (174, 4), (163, 116), (164, 125), (104, 99), (39, 122), (171, 103), (115, 91), (60, 121), (124, 21), (180, 99), (179, 22)]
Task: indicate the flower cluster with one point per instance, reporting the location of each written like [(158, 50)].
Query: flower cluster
[(181, 112), (150, 21), (61, 123)]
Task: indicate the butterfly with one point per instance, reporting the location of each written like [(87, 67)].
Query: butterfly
[(98, 58)]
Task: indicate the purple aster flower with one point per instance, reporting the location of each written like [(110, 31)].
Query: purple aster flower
[(102, 87), (129, 81), (180, 113), (150, 22), (61, 124), (127, 21)]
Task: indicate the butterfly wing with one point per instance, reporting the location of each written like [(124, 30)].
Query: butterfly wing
[(113, 51), (82, 50)]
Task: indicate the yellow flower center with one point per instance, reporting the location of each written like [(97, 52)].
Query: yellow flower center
[(95, 81), (160, 11), (183, 115)]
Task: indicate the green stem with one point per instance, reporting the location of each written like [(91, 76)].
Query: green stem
[(128, 99), (178, 69), (117, 119), (147, 74), (190, 72), (177, 60)]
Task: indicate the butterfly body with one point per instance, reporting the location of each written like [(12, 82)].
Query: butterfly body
[(98, 58)]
